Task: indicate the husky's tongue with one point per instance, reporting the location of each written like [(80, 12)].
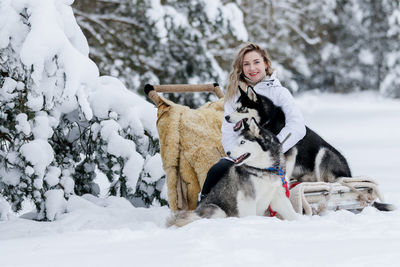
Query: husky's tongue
[(238, 125), (241, 158)]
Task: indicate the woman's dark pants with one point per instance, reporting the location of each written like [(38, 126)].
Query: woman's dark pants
[(216, 172)]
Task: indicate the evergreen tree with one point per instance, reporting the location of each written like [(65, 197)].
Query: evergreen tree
[(390, 85), (61, 121), (123, 40), (361, 40), (330, 45), (161, 42), (293, 32)]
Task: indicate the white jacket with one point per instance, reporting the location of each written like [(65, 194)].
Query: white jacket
[(280, 96)]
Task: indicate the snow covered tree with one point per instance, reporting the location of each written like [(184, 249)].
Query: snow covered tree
[(330, 45), (123, 40), (60, 121), (390, 85), (360, 38), (162, 42), (293, 32)]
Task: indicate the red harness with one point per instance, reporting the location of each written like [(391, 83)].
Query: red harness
[(281, 173)]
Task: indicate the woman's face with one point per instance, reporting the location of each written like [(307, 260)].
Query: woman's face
[(254, 66)]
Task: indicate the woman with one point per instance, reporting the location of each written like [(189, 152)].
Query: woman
[(252, 67)]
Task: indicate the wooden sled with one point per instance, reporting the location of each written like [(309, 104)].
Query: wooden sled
[(352, 194), (186, 169)]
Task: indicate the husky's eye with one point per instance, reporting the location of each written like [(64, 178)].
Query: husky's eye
[(242, 142), (241, 109)]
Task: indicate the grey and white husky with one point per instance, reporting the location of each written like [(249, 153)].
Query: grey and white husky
[(250, 185), (311, 159)]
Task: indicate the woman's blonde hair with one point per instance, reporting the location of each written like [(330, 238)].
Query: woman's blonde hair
[(236, 76)]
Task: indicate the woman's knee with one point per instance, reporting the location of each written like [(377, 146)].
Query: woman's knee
[(216, 172)]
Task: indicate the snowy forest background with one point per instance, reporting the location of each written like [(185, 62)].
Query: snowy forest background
[(330, 45), (72, 109)]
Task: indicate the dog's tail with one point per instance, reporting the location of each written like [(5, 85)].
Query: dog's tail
[(182, 217), (384, 206)]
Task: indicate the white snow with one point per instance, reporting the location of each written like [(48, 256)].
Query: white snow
[(230, 13), (11, 176), (39, 153), (153, 166), (55, 203), (302, 66), (132, 169), (111, 232), (8, 86), (41, 128), (235, 17), (35, 102), (67, 182), (328, 50), (23, 124), (4, 209), (52, 176), (159, 12), (10, 22), (366, 56)]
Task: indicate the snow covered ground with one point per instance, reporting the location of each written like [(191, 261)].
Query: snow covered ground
[(110, 232)]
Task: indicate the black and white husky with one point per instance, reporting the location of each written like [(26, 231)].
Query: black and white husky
[(250, 186), (311, 159)]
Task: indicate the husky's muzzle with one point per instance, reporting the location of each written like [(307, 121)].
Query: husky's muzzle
[(238, 125)]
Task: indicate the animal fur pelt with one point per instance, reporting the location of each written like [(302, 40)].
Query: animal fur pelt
[(190, 143)]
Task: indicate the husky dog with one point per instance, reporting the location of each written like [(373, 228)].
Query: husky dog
[(250, 185), (311, 159)]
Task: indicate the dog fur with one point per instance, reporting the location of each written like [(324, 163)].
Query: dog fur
[(247, 188)]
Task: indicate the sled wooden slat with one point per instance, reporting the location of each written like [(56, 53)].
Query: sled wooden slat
[(151, 90)]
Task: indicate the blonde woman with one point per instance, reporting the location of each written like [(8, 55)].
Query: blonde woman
[(253, 67)]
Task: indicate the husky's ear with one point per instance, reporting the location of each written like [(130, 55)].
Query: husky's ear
[(242, 93), (251, 93), (254, 127)]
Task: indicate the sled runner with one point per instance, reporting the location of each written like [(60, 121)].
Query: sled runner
[(190, 143)]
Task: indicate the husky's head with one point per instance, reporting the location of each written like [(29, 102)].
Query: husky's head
[(246, 107), (256, 147), (249, 105)]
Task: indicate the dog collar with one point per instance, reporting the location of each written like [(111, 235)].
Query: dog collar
[(279, 170)]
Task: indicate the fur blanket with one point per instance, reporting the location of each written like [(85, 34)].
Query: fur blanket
[(190, 143)]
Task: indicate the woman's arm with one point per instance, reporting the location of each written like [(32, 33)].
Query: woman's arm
[(294, 121)]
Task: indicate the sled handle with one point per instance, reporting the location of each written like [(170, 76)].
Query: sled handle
[(151, 90)]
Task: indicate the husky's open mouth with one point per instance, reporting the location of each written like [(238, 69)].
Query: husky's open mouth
[(238, 125), (241, 158)]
